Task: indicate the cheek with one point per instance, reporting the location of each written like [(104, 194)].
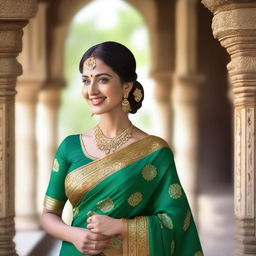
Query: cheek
[(84, 92)]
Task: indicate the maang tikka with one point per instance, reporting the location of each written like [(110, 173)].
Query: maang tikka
[(90, 63)]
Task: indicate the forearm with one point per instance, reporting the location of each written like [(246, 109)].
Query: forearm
[(54, 225)]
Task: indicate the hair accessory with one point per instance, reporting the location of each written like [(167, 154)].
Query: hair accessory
[(108, 145), (90, 63), (126, 107), (137, 94)]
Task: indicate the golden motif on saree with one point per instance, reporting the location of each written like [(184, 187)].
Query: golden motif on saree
[(105, 205), (53, 204), (187, 221), (149, 172), (199, 253), (165, 220), (90, 213), (135, 199), (84, 178), (56, 165), (172, 247), (135, 237), (175, 191)]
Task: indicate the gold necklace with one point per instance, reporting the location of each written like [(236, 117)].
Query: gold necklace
[(108, 145)]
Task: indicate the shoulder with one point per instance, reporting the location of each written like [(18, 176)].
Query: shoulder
[(157, 141), (69, 141), (160, 145)]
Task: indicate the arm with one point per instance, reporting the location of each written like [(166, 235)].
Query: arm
[(83, 239)]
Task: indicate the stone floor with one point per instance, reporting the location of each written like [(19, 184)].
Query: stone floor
[(215, 223)]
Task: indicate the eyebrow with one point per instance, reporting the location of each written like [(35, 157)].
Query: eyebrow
[(100, 74)]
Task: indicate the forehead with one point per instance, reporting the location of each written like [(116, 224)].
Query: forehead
[(100, 67)]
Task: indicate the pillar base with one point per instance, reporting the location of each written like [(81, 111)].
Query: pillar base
[(28, 222), (7, 246), (245, 237)]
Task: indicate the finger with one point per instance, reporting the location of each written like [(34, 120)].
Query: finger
[(97, 245), (90, 220), (90, 226), (92, 252), (97, 237)]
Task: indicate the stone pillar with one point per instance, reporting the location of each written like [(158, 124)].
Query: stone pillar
[(162, 48), (234, 25), (33, 59), (14, 16), (162, 111), (47, 124), (185, 98), (25, 163)]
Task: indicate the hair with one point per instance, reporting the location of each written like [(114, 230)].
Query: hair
[(122, 62)]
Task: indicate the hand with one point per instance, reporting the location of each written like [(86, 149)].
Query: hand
[(88, 242), (104, 225)]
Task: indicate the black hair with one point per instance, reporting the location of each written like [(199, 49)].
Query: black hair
[(122, 61)]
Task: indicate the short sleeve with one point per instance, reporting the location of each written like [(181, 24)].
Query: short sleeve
[(55, 197)]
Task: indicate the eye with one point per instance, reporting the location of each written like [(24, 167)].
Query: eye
[(86, 81), (103, 80)]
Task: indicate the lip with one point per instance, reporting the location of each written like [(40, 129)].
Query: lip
[(97, 101)]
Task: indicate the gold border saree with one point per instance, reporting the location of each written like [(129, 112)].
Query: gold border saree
[(138, 184)]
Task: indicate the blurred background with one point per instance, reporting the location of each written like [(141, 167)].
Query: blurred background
[(187, 102)]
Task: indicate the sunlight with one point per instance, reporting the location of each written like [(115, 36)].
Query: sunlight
[(104, 12)]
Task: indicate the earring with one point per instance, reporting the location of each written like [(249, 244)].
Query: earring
[(126, 107)]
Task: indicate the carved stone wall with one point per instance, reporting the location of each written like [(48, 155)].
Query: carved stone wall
[(234, 24), (14, 16)]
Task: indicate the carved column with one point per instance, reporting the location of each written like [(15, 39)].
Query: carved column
[(185, 98), (33, 60), (48, 106), (25, 162), (162, 67), (163, 108), (13, 17), (234, 25)]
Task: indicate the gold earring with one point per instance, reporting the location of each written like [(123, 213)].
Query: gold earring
[(126, 107)]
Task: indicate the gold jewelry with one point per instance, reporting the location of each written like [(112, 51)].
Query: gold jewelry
[(126, 107), (108, 145), (90, 63), (137, 94)]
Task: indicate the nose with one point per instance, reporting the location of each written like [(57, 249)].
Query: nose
[(93, 88)]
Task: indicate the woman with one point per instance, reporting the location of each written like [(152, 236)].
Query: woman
[(123, 185)]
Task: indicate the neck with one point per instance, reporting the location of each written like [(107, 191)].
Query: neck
[(112, 125)]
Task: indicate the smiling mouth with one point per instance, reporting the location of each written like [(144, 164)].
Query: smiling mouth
[(97, 101)]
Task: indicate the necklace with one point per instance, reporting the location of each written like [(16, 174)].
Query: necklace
[(108, 145)]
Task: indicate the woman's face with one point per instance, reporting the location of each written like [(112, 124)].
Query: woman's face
[(102, 88)]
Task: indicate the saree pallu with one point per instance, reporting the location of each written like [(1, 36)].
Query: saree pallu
[(138, 184)]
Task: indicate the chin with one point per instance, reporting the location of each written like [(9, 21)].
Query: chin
[(106, 111)]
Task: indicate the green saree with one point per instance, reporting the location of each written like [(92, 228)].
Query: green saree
[(139, 184)]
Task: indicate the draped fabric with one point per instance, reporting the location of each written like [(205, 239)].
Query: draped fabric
[(138, 184)]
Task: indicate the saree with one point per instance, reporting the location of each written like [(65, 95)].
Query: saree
[(138, 184)]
